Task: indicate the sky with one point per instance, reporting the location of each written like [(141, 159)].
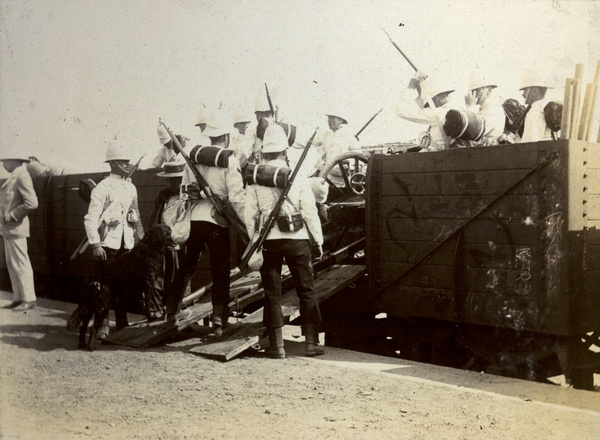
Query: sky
[(76, 74)]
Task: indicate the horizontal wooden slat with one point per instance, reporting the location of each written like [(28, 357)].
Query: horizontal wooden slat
[(494, 281), (477, 231), (513, 157), (457, 183), (419, 301), (469, 254), (460, 207)]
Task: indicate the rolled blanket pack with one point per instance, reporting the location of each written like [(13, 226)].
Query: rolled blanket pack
[(266, 175), (210, 156), (465, 125)]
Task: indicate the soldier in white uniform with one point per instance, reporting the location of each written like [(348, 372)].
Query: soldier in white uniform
[(243, 142), (112, 219), (337, 140), (167, 152), (264, 118), (413, 107), (534, 91), (293, 246), (482, 96), (206, 229)]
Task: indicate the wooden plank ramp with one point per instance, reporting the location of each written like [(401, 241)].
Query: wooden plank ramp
[(327, 283), (144, 334)]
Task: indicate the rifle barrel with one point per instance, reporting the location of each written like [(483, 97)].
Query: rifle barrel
[(367, 124), (400, 50)]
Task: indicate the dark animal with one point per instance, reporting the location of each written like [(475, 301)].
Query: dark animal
[(131, 276)]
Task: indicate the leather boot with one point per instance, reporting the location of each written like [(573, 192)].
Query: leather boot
[(311, 335), (275, 350), (217, 319)]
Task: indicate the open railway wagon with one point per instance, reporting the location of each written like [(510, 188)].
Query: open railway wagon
[(489, 258)]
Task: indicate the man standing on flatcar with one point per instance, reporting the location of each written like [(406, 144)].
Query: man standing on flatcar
[(413, 107), (17, 200), (112, 219), (481, 93), (534, 91)]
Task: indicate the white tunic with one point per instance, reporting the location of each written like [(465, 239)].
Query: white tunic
[(116, 198), (535, 128)]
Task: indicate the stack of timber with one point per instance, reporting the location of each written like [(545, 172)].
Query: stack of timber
[(581, 118), (251, 332)]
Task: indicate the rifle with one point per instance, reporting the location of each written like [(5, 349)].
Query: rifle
[(222, 208), (367, 124), (429, 98), (85, 243), (271, 103), (255, 244)]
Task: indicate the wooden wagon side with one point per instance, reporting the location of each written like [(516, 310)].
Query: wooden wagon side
[(488, 239)]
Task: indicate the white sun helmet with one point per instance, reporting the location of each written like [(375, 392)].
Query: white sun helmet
[(241, 117), (201, 118), (261, 103), (532, 78), (275, 140), (13, 152), (163, 135), (117, 150), (478, 80), (336, 111), (216, 125)]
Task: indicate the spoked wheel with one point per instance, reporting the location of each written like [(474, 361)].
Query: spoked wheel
[(346, 175)]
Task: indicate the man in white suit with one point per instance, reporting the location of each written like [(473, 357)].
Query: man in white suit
[(17, 200)]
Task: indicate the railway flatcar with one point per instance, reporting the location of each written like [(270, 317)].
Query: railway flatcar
[(490, 251)]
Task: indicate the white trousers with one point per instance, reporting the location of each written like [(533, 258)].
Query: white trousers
[(19, 269)]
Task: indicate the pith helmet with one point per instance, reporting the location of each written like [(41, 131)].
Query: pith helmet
[(172, 169), (202, 116), (436, 89), (337, 112), (478, 80), (275, 140), (261, 103), (216, 126), (163, 136), (117, 150), (532, 78), (13, 153), (241, 117)]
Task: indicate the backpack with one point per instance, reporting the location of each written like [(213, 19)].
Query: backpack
[(553, 116)]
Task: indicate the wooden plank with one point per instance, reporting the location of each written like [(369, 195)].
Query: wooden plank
[(145, 334), (456, 183), (327, 283), (460, 207), (406, 301), (499, 231), (511, 157), (487, 255)]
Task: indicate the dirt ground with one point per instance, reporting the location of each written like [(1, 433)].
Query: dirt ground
[(51, 390)]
